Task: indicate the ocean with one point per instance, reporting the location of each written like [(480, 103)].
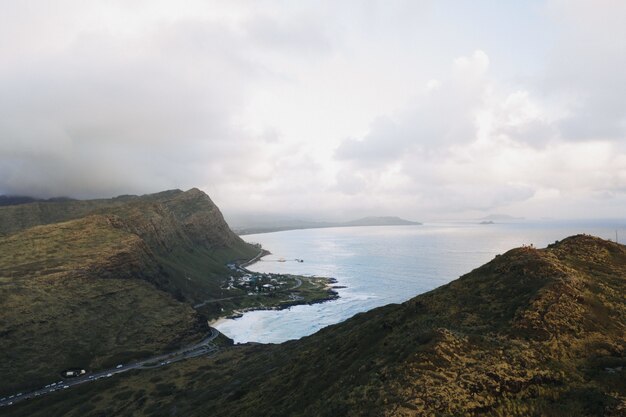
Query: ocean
[(386, 264)]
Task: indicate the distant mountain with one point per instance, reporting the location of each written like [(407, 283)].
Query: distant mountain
[(534, 332), (277, 226), (378, 221), (500, 217), (13, 200)]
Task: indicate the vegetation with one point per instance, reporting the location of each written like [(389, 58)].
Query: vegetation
[(533, 332), (294, 291), (115, 283)]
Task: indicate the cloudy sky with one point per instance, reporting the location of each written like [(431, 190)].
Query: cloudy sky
[(324, 109)]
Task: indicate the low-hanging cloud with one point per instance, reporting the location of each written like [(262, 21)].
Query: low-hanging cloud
[(107, 115), (318, 108)]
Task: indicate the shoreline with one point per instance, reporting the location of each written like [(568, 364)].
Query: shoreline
[(286, 306), (330, 286), (254, 260)]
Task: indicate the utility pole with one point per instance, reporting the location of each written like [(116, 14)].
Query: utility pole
[(616, 241)]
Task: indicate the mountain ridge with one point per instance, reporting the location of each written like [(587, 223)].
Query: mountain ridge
[(102, 281), (532, 332)]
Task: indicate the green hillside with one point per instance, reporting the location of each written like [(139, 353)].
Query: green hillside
[(184, 231), (116, 282), (533, 332)]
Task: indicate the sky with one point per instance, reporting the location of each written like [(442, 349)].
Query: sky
[(320, 109)]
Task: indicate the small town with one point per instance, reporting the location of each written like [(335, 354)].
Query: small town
[(256, 282)]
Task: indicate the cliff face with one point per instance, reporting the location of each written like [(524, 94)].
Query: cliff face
[(202, 219), (188, 216), (115, 282), (175, 219), (533, 332), (183, 233)]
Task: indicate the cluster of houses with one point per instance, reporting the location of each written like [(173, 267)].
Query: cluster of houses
[(254, 282)]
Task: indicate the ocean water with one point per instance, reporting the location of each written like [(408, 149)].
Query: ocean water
[(386, 264)]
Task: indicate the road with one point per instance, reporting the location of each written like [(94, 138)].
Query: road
[(201, 348), (213, 300), (298, 283), (253, 260)]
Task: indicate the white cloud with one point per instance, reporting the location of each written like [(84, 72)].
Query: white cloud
[(323, 108), (587, 65), (477, 144)]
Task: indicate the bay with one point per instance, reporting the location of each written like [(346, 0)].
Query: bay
[(386, 264)]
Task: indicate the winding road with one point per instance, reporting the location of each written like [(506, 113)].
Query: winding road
[(203, 347)]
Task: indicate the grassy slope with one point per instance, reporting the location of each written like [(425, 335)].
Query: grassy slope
[(71, 295), (184, 231), (530, 333), (189, 238), (109, 286)]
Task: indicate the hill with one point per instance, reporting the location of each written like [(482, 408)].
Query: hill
[(90, 283), (278, 226), (184, 231), (13, 200), (533, 332)]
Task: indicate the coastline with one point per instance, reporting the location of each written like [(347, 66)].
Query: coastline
[(254, 260), (333, 295), (329, 286), (215, 322)]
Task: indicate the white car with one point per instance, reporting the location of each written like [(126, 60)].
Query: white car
[(118, 366), (109, 375)]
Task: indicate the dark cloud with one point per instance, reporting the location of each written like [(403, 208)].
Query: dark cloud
[(111, 115)]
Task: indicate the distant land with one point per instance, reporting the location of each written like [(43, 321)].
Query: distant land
[(500, 217), (12, 200), (534, 332), (278, 226)]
